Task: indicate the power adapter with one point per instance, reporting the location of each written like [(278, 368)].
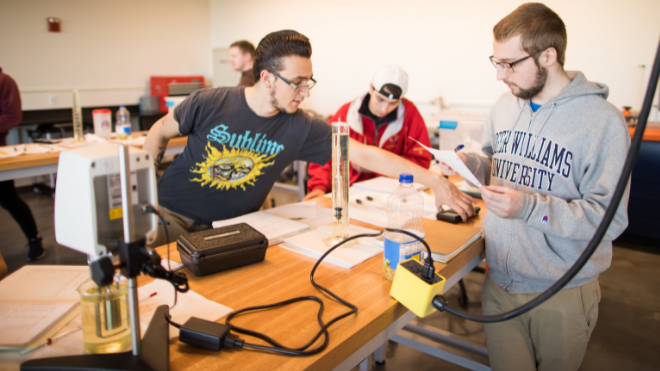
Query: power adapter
[(208, 335), (413, 290)]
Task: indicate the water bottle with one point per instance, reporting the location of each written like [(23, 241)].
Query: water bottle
[(404, 211), (123, 124)]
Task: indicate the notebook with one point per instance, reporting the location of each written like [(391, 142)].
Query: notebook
[(455, 238), (36, 301)]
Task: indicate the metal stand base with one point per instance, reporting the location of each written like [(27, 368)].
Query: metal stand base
[(155, 354)]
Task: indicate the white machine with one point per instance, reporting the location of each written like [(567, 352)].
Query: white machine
[(88, 201)]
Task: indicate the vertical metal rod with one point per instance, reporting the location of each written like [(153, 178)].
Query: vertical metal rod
[(127, 213)]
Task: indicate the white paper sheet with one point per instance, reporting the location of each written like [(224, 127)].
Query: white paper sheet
[(275, 228), (311, 244), (188, 304), (299, 210), (452, 160), (35, 299), (309, 213), (384, 184)]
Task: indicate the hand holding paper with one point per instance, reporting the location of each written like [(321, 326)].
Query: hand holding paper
[(453, 161)]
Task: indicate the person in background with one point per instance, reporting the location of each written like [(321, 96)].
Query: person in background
[(381, 117), (10, 116), (241, 139), (241, 55), (554, 150)]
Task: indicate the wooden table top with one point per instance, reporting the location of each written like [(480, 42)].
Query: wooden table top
[(51, 158), (285, 274)]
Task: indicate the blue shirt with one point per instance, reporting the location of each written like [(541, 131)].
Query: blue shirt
[(535, 107)]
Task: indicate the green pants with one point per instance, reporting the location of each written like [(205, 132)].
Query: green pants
[(177, 225), (552, 336)]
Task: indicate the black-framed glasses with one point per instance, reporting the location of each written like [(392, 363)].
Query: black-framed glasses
[(509, 66), (297, 88)]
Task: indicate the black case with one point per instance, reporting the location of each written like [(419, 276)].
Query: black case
[(452, 217), (220, 249)]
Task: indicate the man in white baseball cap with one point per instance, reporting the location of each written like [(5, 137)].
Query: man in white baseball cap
[(381, 117)]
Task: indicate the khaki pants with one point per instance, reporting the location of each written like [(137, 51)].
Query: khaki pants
[(552, 336), (177, 225)]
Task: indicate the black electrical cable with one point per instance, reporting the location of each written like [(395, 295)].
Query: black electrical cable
[(153, 268), (323, 331), (442, 304)]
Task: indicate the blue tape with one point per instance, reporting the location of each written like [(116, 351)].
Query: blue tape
[(448, 125)]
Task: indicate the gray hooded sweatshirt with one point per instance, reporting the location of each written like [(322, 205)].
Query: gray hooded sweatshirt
[(566, 159)]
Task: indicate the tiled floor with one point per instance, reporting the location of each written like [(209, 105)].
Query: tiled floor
[(627, 336)]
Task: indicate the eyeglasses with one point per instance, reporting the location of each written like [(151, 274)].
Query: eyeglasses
[(297, 88), (509, 66)]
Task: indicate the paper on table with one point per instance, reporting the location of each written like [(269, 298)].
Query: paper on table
[(384, 184), (311, 214), (275, 228), (35, 299), (300, 210), (452, 160), (12, 151), (187, 305), (311, 244)]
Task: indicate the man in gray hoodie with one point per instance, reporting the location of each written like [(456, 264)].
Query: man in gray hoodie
[(554, 150)]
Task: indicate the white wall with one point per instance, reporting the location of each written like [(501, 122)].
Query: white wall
[(443, 44), (107, 48)]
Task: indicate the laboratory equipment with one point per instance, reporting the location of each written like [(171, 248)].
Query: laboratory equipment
[(340, 182), (103, 195), (404, 211), (104, 316), (77, 117)]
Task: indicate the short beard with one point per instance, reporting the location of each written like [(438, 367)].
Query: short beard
[(539, 84), (274, 102)]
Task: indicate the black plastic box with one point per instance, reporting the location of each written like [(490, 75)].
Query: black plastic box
[(217, 250)]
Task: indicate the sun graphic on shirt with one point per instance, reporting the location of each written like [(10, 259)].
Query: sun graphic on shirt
[(230, 168)]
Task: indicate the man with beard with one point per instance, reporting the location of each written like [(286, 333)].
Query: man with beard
[(261, 130), (554, 152)]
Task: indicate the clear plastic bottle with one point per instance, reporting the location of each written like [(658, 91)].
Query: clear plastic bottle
[(123, 124), (404, 211)]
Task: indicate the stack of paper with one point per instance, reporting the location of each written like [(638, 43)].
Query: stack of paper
[(384, 184), (275, 228), (451, 239), (311, 244), (371, 206), (36, 301)]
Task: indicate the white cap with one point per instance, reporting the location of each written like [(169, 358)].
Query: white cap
[(391, 75)]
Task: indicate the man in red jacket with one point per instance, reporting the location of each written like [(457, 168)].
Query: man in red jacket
[(383, 118)]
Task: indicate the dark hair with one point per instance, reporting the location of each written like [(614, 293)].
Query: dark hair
[(276, 45), (539, 28), (245, 47)]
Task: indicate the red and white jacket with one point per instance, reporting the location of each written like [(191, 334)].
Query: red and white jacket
[(393, 137)]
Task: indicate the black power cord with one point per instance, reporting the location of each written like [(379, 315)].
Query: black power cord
[(323, 331), (442, 304)]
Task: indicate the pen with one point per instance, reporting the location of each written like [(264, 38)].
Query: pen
[(50, 341)]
